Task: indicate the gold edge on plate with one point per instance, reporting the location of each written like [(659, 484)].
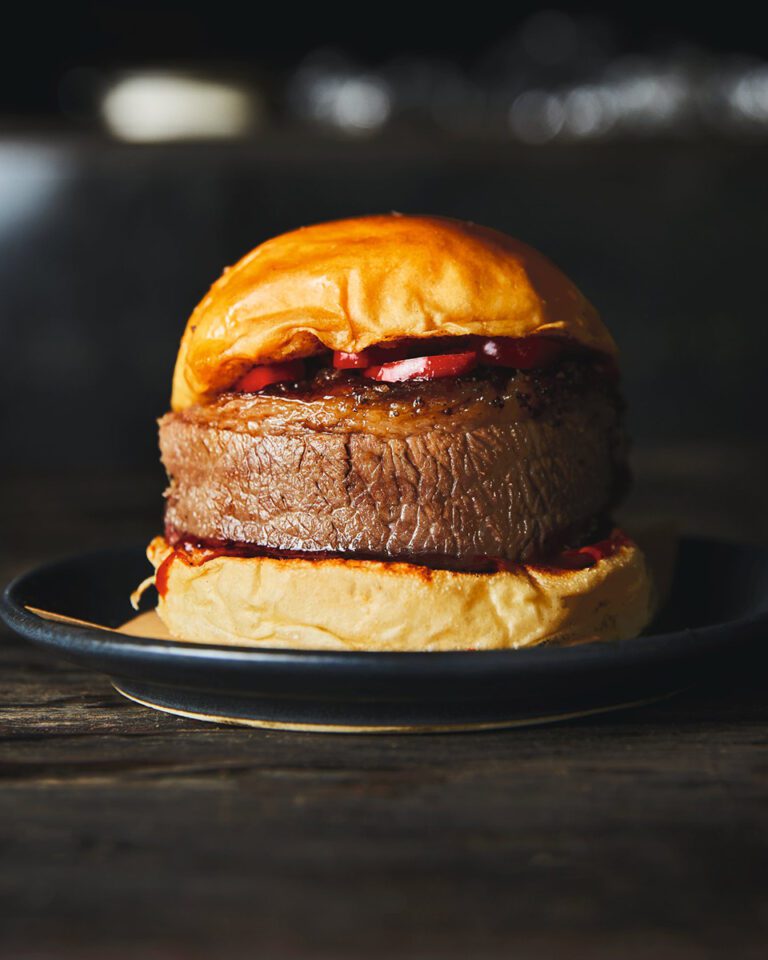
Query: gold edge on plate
[(406, 728)]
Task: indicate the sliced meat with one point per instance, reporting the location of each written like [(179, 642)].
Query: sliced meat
[(451, 469)]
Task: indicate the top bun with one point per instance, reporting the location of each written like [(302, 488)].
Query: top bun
[(350, 284)]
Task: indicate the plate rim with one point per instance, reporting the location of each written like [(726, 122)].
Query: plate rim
[(87, 640)]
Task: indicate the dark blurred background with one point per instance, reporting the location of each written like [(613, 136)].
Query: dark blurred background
[(143, 146)]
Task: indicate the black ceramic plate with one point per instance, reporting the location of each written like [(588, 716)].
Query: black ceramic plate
[(718, 608)]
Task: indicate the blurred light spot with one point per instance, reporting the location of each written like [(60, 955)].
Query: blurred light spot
[(587, 112), (150, 107), (749, 95), (30, 178), (556, 79), (647, 96), (355, 104), (536, 116)]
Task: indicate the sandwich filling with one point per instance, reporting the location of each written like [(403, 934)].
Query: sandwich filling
[(462, 459)]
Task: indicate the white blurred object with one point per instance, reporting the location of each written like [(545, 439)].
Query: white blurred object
[(30, 179), (162, 106), (354, 104), (330, 92), (634, 97), (537, 116), (747, 95), (648, 96), (589, 112), (555, 79)]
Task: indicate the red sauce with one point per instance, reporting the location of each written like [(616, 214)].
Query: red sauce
[(195, 553), (593, 553), (161, 575)]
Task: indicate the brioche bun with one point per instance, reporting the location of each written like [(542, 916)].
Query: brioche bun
[(350, 284), (341, 604)]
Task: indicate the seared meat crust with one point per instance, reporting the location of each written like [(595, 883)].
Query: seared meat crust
[(493, 466)]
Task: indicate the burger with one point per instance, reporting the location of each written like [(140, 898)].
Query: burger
[(396, 433)]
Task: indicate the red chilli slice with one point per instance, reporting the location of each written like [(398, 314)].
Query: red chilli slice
[(525, 353), (352, 361), (423, 368), (266, 374)]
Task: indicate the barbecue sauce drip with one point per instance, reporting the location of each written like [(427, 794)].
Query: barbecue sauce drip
[(161, 574)]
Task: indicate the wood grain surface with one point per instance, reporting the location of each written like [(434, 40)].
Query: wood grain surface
[(125, 832)]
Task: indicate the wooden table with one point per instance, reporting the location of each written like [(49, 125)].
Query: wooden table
[(128, 833)]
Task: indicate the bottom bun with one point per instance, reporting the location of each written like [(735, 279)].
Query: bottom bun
[(338, 604)]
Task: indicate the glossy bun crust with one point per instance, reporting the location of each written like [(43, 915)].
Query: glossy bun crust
[(349, 284), (339, 604)]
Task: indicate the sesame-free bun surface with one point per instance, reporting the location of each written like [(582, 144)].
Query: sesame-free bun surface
[(350, 284), (337, 604)]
